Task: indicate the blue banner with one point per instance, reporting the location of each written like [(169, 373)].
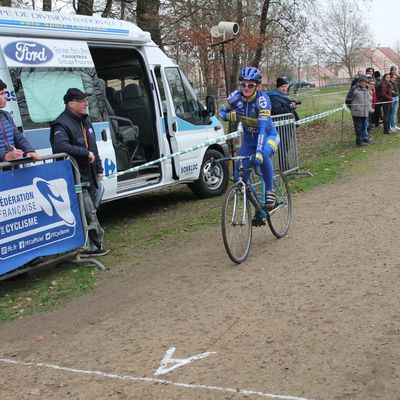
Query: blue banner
[(39, 213)]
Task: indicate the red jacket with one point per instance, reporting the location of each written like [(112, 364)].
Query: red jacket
[(386, 92)]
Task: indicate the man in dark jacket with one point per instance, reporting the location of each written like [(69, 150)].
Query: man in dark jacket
[(72, 133), (280, 101), (282, 104), (13, 144)]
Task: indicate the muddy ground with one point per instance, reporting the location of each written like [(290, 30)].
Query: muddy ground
[(315, 315)]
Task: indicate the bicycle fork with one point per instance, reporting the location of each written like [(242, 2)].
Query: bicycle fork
[(242, 189)]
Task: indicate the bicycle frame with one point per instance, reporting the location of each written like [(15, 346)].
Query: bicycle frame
[(244, 183), (236, 217)]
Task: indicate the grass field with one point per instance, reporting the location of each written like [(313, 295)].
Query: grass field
[(134, 226)]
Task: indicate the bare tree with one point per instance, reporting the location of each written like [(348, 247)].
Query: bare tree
[(46, 5), (107, 9), (344, 32), (84, 7), (147, 18)]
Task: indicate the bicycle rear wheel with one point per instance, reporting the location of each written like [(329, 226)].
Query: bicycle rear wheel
[(236, 225), (280, 217)]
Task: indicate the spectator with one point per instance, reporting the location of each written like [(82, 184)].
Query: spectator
[(72, 133), (393, 69), (355, 80), (386, 101), (369, 72), (395, 102), (371, 87), (280, 101), (282, 104), (13, 144), (359, 98), (377, 113)]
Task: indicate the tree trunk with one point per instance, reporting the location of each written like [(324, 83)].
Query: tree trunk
[(107, 9), (147, 18), (46, 5), (263, 30), (85, 7)]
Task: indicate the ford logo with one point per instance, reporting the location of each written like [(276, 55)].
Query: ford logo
[(27, 52)]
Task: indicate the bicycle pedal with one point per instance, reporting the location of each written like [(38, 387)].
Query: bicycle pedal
[(257, 221)]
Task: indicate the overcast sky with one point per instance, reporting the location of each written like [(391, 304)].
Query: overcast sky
[(383, 17)]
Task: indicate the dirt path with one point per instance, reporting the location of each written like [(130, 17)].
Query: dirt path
[(312, 316)]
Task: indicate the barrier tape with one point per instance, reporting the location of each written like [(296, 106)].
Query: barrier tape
[(319, 116), (221, 139), (321, 94), (378, 102), (178, 153)]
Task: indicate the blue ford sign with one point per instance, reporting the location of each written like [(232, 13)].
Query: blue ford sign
[(28, 52), (39, 214)]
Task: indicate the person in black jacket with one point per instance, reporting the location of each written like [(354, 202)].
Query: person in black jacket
[(72, 133), (280, 101), (282, 104), (13, 144)]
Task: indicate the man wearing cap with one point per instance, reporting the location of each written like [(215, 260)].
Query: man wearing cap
[(281, 104), (280, 101), (72, 133)]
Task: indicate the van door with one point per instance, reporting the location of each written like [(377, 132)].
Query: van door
[(187, 122)]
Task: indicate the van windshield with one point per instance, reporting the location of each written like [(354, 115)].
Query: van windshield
[(40, 93)]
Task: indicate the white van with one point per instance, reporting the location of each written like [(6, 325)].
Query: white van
[(142, 105)]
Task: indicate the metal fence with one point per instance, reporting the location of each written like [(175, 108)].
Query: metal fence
[(72, 256), (287, 157)]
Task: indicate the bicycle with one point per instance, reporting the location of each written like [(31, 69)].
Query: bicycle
[(236, 219)]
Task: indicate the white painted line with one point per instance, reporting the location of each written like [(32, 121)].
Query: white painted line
[(237, 391), (178, 362)]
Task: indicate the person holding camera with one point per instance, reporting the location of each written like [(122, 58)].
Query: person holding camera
[(280, 101), (282, 104)]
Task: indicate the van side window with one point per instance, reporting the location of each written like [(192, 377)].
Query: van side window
[(161, 89), (186, 103), (40, 92)]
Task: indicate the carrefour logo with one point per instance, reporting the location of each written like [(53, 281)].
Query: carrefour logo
[(28, 52)]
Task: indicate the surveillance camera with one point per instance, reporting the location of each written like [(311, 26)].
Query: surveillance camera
[(228, 27)]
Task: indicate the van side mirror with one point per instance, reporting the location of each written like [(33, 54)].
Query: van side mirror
[(210, 104)]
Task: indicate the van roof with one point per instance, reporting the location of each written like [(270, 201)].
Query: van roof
[(21, 22)]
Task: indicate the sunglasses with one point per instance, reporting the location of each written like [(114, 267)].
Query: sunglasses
[(248, 85)]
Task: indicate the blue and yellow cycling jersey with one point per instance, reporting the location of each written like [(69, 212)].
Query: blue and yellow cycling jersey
[(255, 115)]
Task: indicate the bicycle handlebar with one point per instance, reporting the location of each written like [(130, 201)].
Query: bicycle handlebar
[(257, 171)]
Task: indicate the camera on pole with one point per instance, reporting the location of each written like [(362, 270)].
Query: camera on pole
[(222, 29)]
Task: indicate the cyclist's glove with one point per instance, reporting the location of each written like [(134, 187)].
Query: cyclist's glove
[(258, 159)]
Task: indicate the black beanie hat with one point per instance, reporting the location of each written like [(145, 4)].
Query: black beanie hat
[(280, 82)]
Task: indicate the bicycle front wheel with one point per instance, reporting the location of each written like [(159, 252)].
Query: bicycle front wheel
[(280, 217), (236, 225)]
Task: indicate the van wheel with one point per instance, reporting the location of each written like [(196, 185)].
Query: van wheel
[(212, 181)]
